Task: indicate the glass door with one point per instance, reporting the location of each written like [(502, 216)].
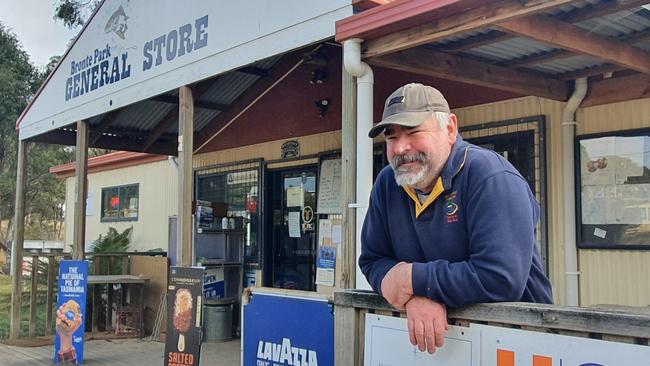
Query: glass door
[(291, 229)]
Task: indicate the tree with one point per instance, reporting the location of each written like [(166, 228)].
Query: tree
[(45, 194), (17, 84), (74, 13)]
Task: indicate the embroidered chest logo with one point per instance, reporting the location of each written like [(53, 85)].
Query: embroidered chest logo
[(451, 208)]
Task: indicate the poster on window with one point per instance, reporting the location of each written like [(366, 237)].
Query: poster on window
[(71, 312), (184, 305), (629, 158), (329, 243), (596, 165)]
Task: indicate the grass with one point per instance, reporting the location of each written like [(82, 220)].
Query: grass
[(5, 310), (5, 287)]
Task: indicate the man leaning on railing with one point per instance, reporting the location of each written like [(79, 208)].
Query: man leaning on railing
[(449, 223)]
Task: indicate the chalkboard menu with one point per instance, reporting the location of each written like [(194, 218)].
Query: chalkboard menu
[(329, 187)]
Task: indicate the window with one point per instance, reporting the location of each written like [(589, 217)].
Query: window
[(238, 186), (120, 203), (521, 142), (614, 191)]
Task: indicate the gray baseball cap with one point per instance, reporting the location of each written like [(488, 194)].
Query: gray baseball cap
[(409, 106)]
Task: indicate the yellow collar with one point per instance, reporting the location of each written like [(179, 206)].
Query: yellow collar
[(420, 207)]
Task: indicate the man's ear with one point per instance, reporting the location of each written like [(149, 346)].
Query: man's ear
[(452, 129)]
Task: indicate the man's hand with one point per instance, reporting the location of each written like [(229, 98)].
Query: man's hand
[(427, 323), (397, 287)]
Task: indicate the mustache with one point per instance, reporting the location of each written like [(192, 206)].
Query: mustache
[(399, 160)]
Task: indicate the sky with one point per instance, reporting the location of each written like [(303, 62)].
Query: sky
[(33, 24)]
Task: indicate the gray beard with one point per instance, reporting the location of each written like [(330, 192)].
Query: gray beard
[(410, 178)]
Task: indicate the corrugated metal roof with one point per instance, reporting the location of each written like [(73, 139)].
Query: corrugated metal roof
[(618, 24), (575, 5), (144, 115), (622, 23), (462, 37), (229, 87), (510, 49), (567, 64)]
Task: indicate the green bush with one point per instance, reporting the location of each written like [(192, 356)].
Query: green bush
[(112, 242)]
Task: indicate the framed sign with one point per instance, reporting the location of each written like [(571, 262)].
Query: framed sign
[(71, 312), (329, 187), (184, 305)]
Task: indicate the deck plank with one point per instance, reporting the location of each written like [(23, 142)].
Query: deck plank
[(121, 352)]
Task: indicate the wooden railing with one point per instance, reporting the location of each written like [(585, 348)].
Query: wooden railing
[(97, 259), (613, 323)]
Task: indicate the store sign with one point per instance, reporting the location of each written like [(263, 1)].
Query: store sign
[(287, 331), (290, 149), (128, 53), (387, 343), (184, 305), (71, 312)]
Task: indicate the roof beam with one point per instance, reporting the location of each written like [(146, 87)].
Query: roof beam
[(103, 125), (162, 126), (172, 116), (557, 54), (537, 58), (578, 40), (485, 15), (590, 71), (284, 67), (67, 137), (445, 66), (617, 90), (576, 16)]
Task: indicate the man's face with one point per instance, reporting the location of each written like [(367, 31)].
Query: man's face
[(418, 154)]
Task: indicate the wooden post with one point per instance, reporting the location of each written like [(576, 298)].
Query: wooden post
[(51, 276), (185, 176), (33, 297), (348, 179), (96, 297), (346, 335), (79, 239), (17, 245), (125, 264), (109, 296)]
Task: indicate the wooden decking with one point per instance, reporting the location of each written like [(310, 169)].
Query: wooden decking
[(123, 352)]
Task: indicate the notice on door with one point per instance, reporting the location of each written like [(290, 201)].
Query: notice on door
[(294, 197), (294, 224)]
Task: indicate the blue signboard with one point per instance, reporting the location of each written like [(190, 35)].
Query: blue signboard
[(71, 312), (288, 331)]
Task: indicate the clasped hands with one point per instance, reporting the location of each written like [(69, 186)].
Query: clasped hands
[(427, 319)]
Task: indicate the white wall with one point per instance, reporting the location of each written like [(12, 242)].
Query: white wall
[(157, 201)]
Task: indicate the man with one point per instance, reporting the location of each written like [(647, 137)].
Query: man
[(449, 223)]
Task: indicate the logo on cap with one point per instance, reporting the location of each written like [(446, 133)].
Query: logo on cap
[(395, 100)]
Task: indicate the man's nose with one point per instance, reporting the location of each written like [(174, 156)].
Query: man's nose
[(401, 145)]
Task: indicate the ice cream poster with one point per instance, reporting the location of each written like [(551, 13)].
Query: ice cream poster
[(184, 305), (71, 312)]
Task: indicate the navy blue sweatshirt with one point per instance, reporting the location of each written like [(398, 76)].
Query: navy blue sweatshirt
[(472, 241)]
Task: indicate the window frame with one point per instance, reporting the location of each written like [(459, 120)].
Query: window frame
[(236, 167), (102, 217), (581, 242)]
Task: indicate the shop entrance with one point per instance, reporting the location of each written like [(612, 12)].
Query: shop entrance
[(290, 224)]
